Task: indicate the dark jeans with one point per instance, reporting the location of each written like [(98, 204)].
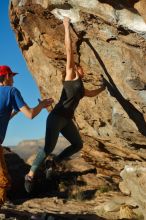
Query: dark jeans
[(55, 125)]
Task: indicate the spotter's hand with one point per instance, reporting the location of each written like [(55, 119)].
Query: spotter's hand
[(45, 102)]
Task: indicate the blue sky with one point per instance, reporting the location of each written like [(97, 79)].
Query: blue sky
[(20, 128)]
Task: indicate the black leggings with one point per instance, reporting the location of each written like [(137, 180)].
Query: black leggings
[(55, 125)]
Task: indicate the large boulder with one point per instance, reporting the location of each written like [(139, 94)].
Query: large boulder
[(109, 38)]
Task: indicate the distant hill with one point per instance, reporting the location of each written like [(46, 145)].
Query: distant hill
[(27, 148)]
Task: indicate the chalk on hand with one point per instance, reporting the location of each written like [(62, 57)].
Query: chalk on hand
[(71, 13)]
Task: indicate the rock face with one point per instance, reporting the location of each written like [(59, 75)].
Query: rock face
[(109, 38), (134, 178)]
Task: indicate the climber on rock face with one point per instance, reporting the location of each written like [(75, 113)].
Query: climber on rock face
[(11, 102), (61, 117)]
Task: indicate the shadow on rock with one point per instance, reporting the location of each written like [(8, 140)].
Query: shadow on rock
[(62, 184), (17, 169), (23, 215)]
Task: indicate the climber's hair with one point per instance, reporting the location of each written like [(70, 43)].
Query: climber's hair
[(63, 76)]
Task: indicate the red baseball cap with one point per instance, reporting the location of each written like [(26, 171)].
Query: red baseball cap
[(4, 70)]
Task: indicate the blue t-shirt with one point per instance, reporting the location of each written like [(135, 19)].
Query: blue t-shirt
[(10, 99)]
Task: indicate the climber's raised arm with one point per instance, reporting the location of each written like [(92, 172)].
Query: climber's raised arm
[(69, 51)]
